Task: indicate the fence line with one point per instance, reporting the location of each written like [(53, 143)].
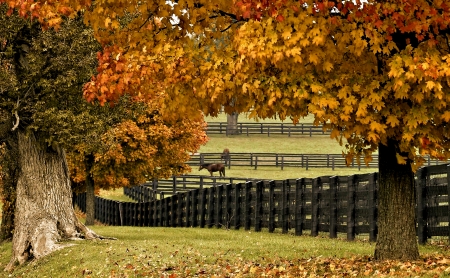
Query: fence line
[(266, 128), (331, 204), (281, 160)]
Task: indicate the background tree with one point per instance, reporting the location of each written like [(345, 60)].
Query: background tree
[(141, 145)]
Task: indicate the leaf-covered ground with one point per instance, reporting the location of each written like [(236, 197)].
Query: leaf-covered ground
[(194, 252), (141, 266)]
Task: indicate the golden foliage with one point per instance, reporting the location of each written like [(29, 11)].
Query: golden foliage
[(370, 72)]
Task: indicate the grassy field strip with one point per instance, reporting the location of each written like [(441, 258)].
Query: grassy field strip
[(243, 118), (320, 144), (192, 252)]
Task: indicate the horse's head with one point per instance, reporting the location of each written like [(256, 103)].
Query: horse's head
[(203, 166)]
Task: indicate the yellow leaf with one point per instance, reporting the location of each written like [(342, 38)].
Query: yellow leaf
[(400, 159), (392, 120), (446, 116), (107, 22)]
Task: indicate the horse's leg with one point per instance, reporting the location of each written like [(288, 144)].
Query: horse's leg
[(210, 173)]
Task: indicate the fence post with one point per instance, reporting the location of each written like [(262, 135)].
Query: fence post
[(351, 207), (315, 206), (195, 207), (256, 162), (448, 196), (271, 206), (167, 212), (372, 202), (333, 207), (259, 205), (282, 162), (307, 163), (173, 210), (211, 202), (121, 214), (421, 204), (202, 207), (155, 184), (237, 206), (188, 210), (174, 185), (180, 197), (228, 215), (284, 207), (219, 205), (299, 202), (247, 205)]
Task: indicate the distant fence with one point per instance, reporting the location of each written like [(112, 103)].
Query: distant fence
[(333, 205), (266, 128), (280, 160), (288, 160)]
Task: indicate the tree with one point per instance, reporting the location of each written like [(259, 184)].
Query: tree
[(139, 146), (374, 73), (45, 114), (41, 77)]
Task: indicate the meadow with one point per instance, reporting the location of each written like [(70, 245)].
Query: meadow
[(213, 252)]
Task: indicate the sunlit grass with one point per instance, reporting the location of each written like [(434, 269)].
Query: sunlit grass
[(244, 118), (159, 250), (318, 144)]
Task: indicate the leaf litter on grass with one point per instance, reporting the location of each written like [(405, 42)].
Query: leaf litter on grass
[(191, 263)]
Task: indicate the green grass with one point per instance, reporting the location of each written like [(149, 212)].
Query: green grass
[(273, 173), (243, 118), (318, 144), (159, 252)]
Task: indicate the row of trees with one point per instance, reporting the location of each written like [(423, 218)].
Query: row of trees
[(47, 129), (376, 73)]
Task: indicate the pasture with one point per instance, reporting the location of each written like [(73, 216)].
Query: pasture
[(219, 252), (191, 252)]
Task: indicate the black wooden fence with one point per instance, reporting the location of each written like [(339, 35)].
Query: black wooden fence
[(281, 160), (333, 205), (266, 128)]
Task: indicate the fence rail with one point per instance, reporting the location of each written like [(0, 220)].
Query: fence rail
[(288, 160), (332, 204), (266, 128)]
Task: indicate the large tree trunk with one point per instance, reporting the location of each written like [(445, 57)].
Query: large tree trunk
[(232, 123), (44, 213), (396, 208)]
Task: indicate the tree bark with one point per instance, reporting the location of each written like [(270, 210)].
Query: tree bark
[(232, 123), (90, 193), (396, 207), (44, 213)]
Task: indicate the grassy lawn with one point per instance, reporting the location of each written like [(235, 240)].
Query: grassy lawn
[(192, 252)]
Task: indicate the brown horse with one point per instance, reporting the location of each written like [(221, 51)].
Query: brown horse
[(213, 167)]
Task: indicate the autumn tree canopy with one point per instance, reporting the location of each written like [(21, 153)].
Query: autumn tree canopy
[(374, 72)]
